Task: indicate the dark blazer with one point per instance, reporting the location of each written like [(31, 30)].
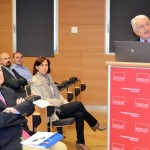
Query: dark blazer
[(16, 84), (137, 39), (11, 124)]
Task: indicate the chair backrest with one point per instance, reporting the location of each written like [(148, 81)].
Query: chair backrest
[(28, 90), (42, 112), (73, 79), (34, 119), (65, 83)]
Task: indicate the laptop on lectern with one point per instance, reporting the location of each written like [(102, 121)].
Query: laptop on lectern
[(132, 51)]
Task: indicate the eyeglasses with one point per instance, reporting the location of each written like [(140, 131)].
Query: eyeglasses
[(142, 26)]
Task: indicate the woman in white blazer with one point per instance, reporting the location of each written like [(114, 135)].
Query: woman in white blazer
[(42, 84)]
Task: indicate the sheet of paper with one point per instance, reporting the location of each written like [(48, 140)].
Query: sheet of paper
[(42, 103)]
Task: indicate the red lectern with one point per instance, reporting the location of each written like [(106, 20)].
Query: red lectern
[(128, 106)]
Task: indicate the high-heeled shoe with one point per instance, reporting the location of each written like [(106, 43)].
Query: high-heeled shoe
[(98, 126), (81, 147)]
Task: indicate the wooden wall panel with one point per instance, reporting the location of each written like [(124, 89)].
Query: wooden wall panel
[(79, 12), (6, 12), (66, 64), (6, 42), (95, 94), (90, 38), (29, 61)]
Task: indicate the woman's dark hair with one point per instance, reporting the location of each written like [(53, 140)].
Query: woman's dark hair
[(38, 62)]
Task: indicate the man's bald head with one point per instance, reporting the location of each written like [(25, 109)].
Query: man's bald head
[(5, 59)]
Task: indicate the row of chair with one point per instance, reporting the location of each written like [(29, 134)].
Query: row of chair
[(71, 90)]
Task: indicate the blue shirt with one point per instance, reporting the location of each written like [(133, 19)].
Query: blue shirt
[(23, 71)]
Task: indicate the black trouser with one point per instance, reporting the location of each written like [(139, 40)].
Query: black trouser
[(78, 111), (14, 143)]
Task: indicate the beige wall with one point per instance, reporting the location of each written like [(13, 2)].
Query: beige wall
[(80, 54)]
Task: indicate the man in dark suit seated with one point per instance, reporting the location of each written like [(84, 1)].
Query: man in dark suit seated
[(13, 124), (141, 27), (11, 78)]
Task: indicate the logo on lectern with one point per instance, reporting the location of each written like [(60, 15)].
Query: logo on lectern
[(141, 103), (118, 100), (118, 76), (117, 146), (142, 77)]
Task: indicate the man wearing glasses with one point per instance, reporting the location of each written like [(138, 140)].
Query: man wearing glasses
[(141, 27)]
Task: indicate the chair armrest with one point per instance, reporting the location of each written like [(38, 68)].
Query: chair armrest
[(50, 110), (33, 98)]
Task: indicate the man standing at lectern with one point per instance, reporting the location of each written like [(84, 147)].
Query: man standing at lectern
[(141, 27)]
